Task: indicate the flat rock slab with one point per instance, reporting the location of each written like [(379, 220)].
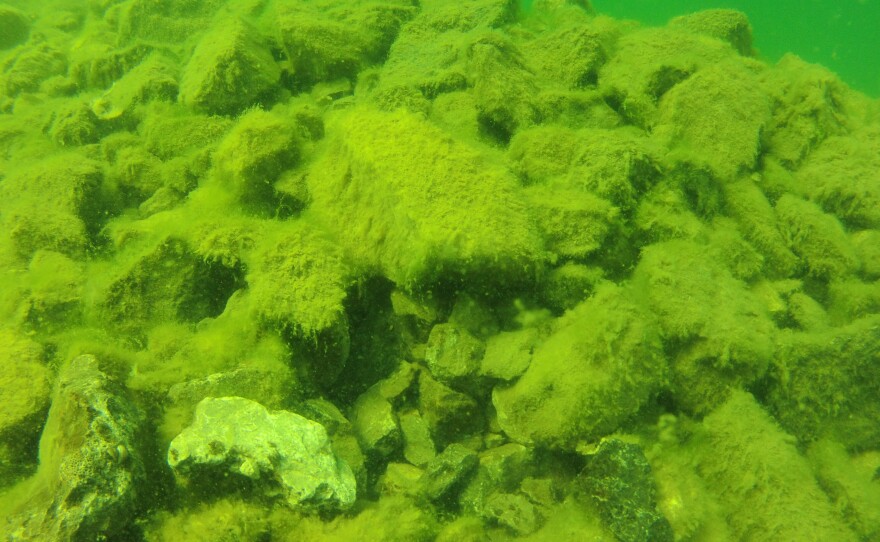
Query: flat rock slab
[(278, 450)]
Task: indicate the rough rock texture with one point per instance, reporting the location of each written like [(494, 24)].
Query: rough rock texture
[(91, 476), (281, 451), (781, 499), (230, 69), (457, 215), (612, 365), (617, 477), (24, 392)]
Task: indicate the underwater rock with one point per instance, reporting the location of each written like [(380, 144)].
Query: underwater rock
[(24, 399), (574, 223), (163, 280), (843, 176), (570, 55), (230, 69), (503, 86), (513, 511), (418, 447), (748, 206), (453, 355), (616, 165), (727, 25), (429, 55), (715, 117), (508, 354), (817, 237), (16, 27), (618, 479), (782, 500), (725, 333), (449, 414), (866, 244), (809, 104), (447, 473), (417, 221), (91, 476), (500, 469), (28, 67), (153, 79), (280, 451), (258, 148), (375, 424), (600, 365), (327, 39), (649, 62), (844, 404)]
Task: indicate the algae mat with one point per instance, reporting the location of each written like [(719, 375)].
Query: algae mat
[(442, 270)]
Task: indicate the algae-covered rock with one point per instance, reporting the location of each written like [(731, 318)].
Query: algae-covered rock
[(446, 474), (725, 24), (28, 67), (449, 414), (418, 446), (716, 117), (503, 86), (328, 39), (842, 401), (817, 237), (618, 478), (850, 483), (143, 289), (297, 282), (280, 451), (571, 54), (153, 79), (376, 424), (809, 104), (253, 155), (419, 221), (91, 479), (616, 165), (649, 62), (55, 292), (757, 222), (16, 27), (600, 365), (841, 175), (25, 391), (574, 223), (453, 355), (509, 354), (724, 333), (782, 500), (230, 69)]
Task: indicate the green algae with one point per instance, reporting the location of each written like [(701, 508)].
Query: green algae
[(481, 243)]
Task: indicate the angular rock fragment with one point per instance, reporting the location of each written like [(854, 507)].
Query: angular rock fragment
[(453, 355), (447, 473), (89, 483), (282, 452), (449, 414), (375, 424), (230, 69), (418, 446), (617, 477)]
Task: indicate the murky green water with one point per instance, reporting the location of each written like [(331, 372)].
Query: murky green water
[(471, 270)]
